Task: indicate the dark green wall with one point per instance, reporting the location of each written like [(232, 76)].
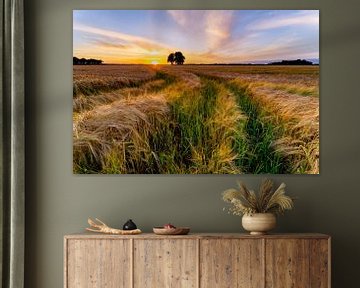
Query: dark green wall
[(59, 202)]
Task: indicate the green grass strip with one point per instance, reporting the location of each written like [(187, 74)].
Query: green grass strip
[(261, 158), (187, 129)]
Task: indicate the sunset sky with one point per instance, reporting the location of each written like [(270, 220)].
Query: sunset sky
[(204, 36)]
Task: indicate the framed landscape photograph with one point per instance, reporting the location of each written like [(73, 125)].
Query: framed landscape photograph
[(196, 91)]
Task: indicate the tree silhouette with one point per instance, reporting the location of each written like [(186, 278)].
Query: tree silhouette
[(292, 62), (171, 58), (83, 61), (179, 58)]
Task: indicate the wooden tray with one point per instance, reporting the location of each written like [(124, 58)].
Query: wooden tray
[(171, 231)]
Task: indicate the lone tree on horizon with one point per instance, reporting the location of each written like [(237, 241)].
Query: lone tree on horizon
[(179, 58), (171, 58), (176, 57)]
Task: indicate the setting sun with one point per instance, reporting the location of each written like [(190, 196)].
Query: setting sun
[(154, 62)]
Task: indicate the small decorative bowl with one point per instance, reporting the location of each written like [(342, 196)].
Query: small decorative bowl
[(171, 231)]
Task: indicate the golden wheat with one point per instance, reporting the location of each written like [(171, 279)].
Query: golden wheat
[(91, 79), (299, 116), (105, 131), (188, 78), (82, 102), (127, 120)]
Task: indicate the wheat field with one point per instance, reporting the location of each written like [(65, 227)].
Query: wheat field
[(195, 119)]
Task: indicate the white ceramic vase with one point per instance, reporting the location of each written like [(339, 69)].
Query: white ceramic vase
[(259, 223)]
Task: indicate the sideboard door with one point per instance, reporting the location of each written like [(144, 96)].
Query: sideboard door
[(287, 263), (320, 263), (165, 263), (231, 263), (98, 263)]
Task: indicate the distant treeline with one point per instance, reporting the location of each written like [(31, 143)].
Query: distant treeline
[(83, 61), (292, 62), (283, 62)]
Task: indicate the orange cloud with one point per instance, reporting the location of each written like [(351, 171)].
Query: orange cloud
[(116, 47)]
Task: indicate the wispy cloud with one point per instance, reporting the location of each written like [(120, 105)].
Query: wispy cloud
[(303, 18), (186, 18), (107, 43), (218, 27), (214, 25), (142, 42)]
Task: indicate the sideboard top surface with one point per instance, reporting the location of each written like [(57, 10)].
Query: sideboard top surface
[(87, 235)]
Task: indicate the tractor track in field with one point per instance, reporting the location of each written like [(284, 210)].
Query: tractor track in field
[(208, 125), (261, 156)]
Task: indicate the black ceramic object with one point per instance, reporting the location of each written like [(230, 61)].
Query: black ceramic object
[(129, 225)]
